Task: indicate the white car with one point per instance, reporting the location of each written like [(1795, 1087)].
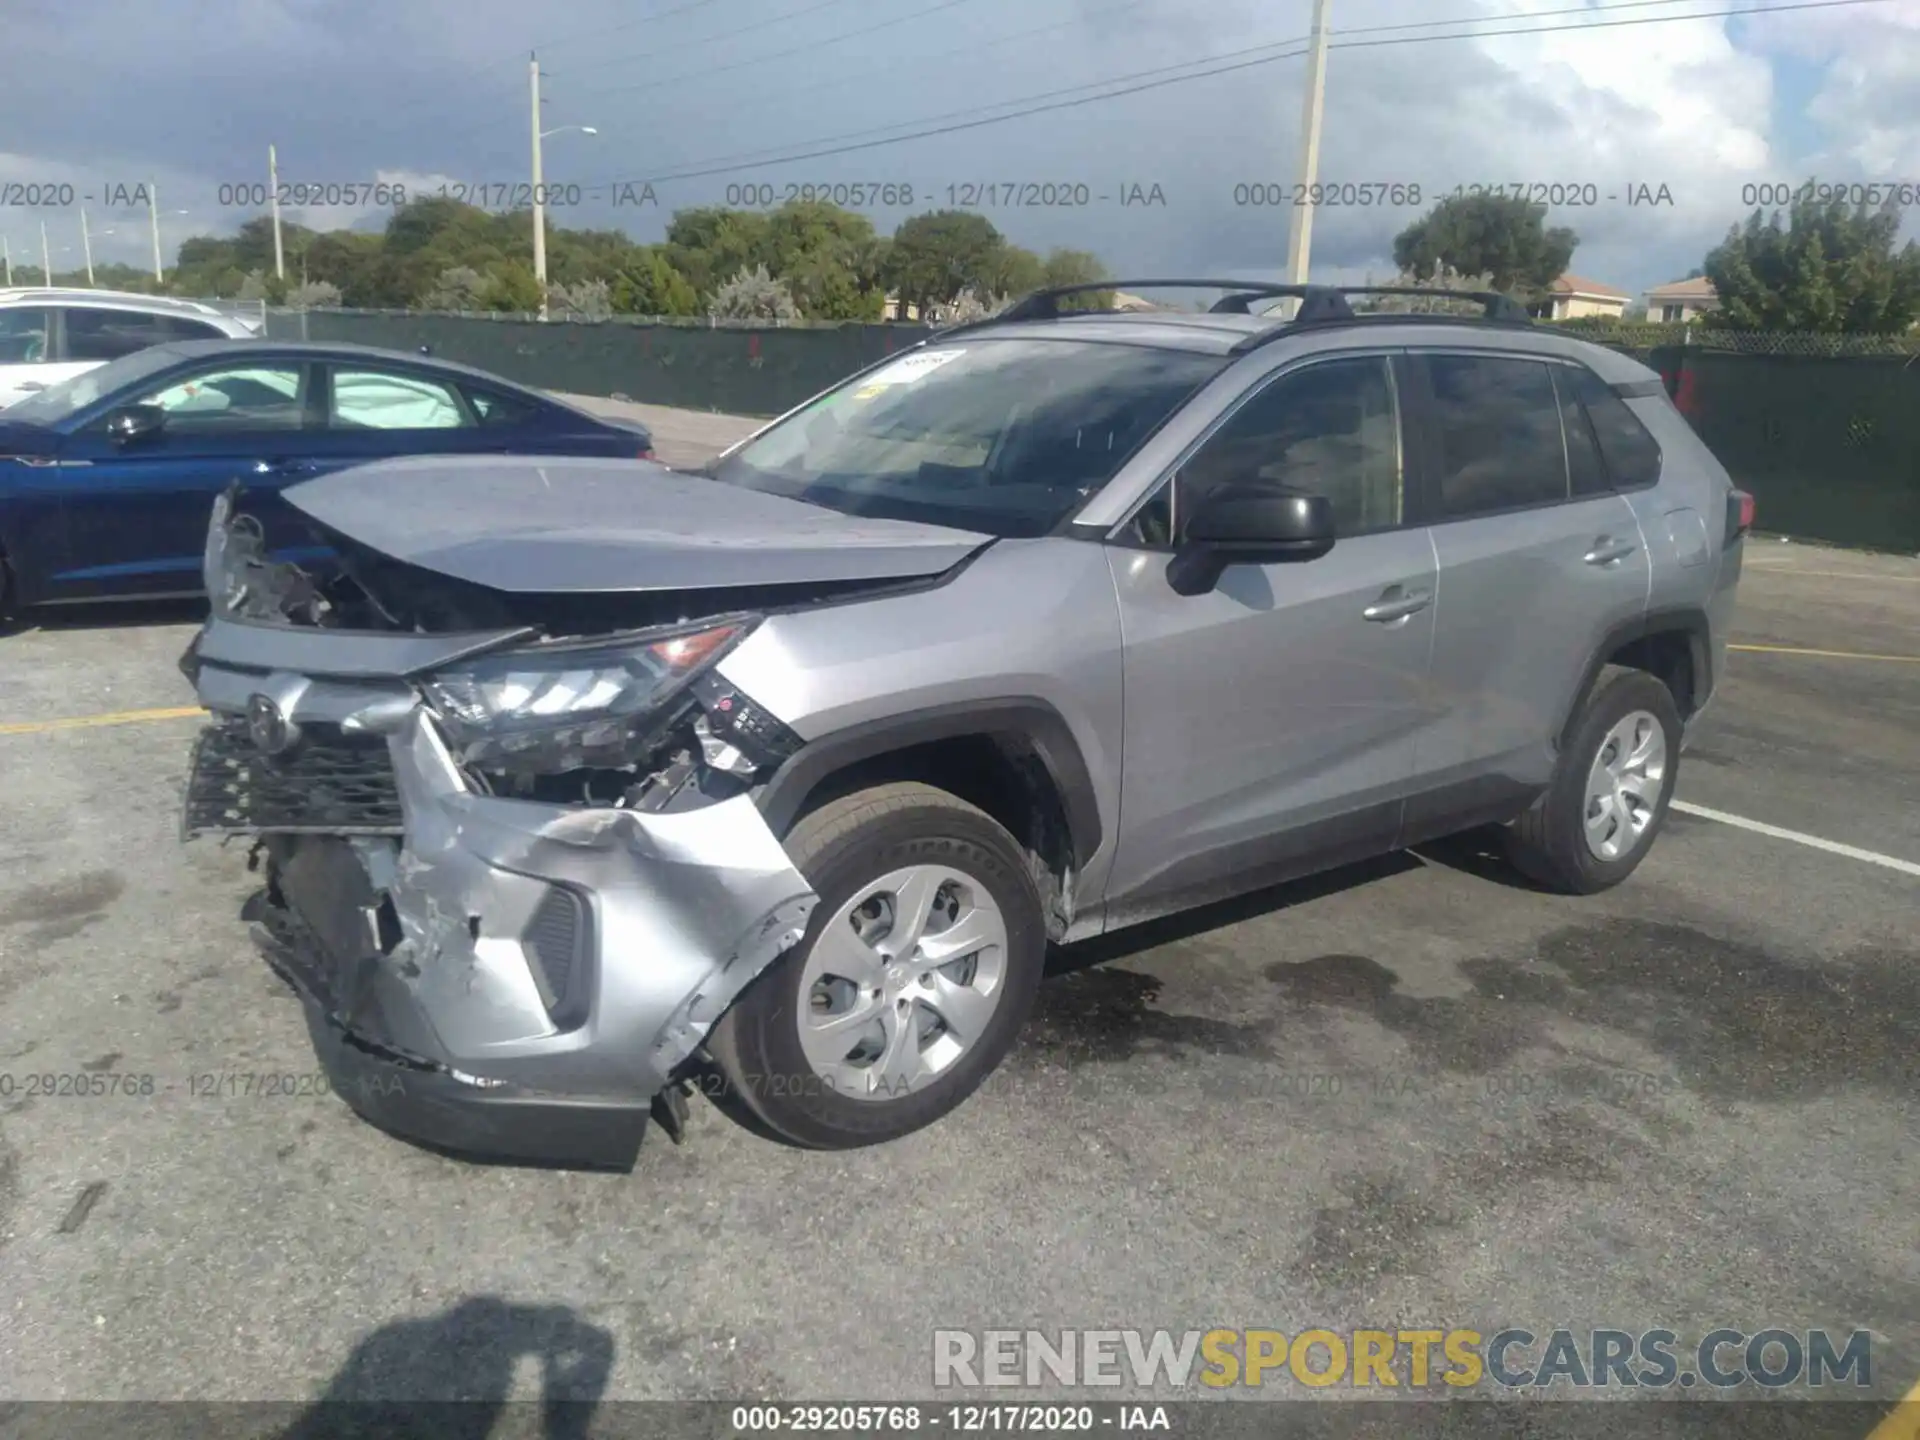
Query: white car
[(50, 335)]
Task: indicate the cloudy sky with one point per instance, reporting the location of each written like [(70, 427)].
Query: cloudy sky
[(704, 97)]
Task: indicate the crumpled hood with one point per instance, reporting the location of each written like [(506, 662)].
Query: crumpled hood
[(550, 525)]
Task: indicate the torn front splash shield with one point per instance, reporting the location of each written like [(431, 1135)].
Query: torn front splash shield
[(674, 914)]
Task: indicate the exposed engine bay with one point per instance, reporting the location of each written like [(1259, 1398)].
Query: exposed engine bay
[(685, 737)]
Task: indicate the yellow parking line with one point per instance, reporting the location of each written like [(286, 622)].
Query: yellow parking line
[(1902, 1422), (1826, 654), (117, 717)]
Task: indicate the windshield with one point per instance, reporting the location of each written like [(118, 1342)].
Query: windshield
[(1005, 437), (71, 396)]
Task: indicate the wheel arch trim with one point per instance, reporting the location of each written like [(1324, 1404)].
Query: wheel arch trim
[(1034, 721), (1689, 620)]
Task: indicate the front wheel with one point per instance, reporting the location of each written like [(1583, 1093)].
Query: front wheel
[(1610, 792), (912, 981)]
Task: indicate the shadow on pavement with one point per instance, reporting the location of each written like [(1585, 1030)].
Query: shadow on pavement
[(456, 1373)]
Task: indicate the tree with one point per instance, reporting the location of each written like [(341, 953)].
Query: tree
[(1502, 237), (647, 284), (584, 300), (1442, 277), (753, 295), (1829, 268), (937, 255), (459, 287), (314, 295), (511, 288), (709, 244), (1078, 267)]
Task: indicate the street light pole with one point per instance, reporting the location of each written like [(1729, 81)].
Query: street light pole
[(273, 194), (6, 251), (539, 189), (1300, 238), (153, 219), (46, 260), (86, 243)]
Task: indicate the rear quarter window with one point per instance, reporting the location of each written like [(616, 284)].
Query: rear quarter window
[(1632, 455)]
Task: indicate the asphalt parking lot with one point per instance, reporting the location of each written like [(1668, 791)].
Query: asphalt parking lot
[(1412, 1093)]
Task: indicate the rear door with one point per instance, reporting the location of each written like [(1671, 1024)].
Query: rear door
[(136, 515), (1538, 559)]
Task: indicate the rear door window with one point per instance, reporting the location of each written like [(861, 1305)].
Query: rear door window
[(1496, 435), (98, 334), (366, 399), (23, 335)]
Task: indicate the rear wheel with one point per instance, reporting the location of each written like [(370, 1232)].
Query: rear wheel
[(915, 974), (1610, 792)]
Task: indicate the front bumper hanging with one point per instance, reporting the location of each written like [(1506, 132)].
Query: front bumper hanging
[(501, 977)]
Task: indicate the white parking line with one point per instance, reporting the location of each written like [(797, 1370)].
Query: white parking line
[(1832, 847)]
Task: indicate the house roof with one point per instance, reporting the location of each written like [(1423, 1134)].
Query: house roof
[(1580, 285), (1698, 288)]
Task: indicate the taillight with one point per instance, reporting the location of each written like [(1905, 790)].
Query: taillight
[(1740, 513), (648, 455)]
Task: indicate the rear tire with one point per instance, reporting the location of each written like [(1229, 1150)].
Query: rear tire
[(882, 1027), (1610, 792)]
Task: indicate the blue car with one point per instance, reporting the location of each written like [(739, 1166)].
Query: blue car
[(107, 479)]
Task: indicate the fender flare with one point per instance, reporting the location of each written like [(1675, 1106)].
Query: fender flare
[(1689, 620), (1035, 722)]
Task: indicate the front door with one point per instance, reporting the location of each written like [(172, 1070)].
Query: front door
[(1270, 723), (136, 515)]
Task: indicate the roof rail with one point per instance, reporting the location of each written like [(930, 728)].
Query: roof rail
[(1319, 304)]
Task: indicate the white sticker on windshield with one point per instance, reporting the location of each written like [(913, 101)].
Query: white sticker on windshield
[(906, 370)]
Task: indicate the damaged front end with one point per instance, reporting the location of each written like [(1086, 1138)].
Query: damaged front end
[(514, 872)]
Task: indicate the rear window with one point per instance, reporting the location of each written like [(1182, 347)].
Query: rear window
[(1002, 436)]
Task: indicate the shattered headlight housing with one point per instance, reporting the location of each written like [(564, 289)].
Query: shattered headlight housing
[(553, 708)]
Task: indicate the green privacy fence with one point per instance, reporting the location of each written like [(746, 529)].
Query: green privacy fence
[(1829, 446), (1823, 430), (734, 368)]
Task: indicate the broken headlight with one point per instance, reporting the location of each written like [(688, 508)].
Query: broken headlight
[(574, 706)]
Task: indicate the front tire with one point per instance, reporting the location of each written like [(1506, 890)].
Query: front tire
[(916, 972), (1610, 791)]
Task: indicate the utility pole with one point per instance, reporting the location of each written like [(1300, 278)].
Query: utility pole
[(86, 244), (46, 260), (153, 219), (1300, 232), (6, 250), (539, 188), (273, 195)]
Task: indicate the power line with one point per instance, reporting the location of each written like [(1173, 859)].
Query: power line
[(475, 72), (732, 164), (734, 34)]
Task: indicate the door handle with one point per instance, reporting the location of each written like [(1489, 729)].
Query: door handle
[(31, 385), (285, 467), (1606, 550), (1396, 604)]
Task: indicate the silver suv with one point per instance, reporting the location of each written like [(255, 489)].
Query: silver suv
[(582, 784)]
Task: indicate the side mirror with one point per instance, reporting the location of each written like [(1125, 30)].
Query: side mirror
[(1249, 523), (132, 424)]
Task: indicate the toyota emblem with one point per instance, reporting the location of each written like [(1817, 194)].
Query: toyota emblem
[(267, 726)]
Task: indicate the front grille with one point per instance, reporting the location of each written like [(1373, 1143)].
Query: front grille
[(332, 784), (553, 938)]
